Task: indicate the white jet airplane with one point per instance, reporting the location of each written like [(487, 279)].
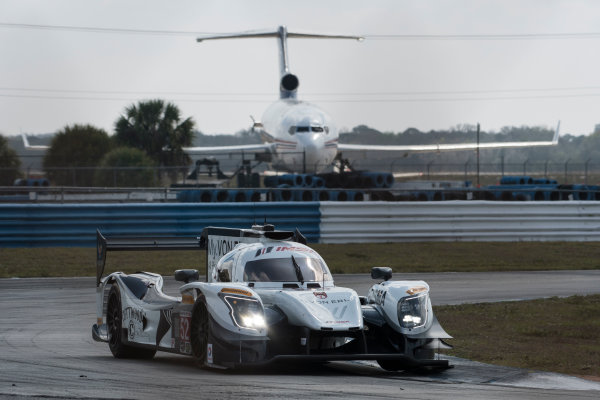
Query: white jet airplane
[(302, 138)]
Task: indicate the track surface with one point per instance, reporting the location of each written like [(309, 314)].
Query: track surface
[(47, 351)]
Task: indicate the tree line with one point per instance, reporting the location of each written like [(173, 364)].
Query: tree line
[(148, 134), (152, 134)]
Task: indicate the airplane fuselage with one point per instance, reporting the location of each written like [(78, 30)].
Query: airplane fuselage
[(304, 136)]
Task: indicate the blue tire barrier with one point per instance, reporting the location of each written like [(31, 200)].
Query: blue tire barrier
[(388, 180), (566, 192), (381, 195), (307, 180), (304, 195), (194, 196), (355, 195), (253, 195), (237, 196), (31, 182), (594, 192), (282, 193), (183, 196), (516, 180), (219, 196), (345, 195), (582, 192), (373, 180), (294, 180), (323, 195), (544, 181), (437, 196), (318, 182), (338, 195)]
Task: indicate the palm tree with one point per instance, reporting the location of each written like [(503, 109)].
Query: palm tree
[(156, 128)]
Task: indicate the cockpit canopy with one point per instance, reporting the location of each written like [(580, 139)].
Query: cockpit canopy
[(286, 269)]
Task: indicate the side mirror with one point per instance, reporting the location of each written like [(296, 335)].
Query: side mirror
[(187, 275), (384, 273)]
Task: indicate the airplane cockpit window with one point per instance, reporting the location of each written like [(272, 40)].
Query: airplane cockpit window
[(318, 129)]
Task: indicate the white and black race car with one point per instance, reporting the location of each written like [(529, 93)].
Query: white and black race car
[(267, 297)]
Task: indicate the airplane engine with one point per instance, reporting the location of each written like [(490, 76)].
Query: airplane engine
[(289, 83)]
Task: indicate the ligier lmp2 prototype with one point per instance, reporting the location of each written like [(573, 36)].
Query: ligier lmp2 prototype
[(267, 297)]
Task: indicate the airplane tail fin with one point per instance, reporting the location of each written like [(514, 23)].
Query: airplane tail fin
[(556, 134), (25, 141), (289, 82)]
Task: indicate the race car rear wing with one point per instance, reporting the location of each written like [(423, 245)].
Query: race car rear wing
[(217, 241)]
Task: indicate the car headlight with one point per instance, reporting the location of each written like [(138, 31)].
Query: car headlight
[(246, 313), (412, 311)]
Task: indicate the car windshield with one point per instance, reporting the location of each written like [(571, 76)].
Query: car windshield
[(289, 269)]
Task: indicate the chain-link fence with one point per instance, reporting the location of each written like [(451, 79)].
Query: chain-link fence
[(567, 172)]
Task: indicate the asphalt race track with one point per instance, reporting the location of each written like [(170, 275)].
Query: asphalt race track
[(47, 351)]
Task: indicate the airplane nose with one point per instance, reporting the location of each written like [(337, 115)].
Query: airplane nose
[(312, 149)]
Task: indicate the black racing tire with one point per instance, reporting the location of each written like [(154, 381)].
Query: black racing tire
[(391, 365), (114, 324), (200, 330)]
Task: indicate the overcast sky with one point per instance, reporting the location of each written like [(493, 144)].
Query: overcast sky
[(522, 62)]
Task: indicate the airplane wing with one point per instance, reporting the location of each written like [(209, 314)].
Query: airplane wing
[(450, 147), (251, 148), (201, 150)]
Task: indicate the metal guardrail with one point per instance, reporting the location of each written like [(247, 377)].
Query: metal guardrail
[(53, 225), (459, 221), (74, 225)]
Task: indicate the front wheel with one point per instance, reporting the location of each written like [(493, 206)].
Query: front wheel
[(114, 322), (200, 330)]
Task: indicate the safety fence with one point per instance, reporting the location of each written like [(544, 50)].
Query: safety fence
[(459, 221), (74, 225)]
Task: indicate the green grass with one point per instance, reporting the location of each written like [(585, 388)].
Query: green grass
[(558, 334), (341, 258)]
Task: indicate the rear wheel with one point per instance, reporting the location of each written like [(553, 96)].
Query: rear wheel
[(200, 330), (114, 322)]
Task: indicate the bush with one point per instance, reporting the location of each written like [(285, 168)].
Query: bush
[(74, 153), (125, 167), (9, 163)]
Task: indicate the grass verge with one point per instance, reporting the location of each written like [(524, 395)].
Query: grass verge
[(556, 334), (341, 258)]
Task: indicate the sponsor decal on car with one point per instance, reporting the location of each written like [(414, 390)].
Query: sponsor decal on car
[(264, 250), (185, 322), (133, 319), (320, 295), (209, 353)]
